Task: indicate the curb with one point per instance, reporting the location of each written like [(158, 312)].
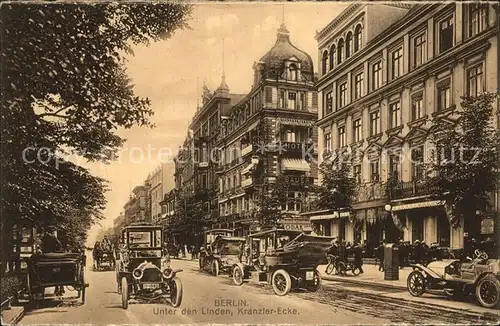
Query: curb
[(16, 318), (362, 282)]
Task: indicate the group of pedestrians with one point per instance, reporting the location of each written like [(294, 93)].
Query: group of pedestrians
[(342, 250), (182, 250)]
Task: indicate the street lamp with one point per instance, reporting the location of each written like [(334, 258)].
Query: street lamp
[(388, 207)]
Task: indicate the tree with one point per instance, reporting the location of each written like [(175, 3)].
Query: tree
[(65, 91), (188, 218), (338, 187), (271, 197), (466, 160)]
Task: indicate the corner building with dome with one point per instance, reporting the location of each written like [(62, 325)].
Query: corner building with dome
[(268, 133)]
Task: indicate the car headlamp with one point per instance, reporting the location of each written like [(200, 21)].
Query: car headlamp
[(137, 273), (167, 273)]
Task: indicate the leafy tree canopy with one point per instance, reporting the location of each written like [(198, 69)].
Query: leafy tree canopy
[(64, 87), (269, 202)]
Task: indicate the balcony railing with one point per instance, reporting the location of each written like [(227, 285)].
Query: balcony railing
[(411, 189), (246, 182), (369, 191)]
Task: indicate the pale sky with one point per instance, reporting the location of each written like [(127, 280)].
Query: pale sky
[(171, 73)]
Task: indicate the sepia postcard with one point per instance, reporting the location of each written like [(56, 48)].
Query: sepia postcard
[(263, 162)]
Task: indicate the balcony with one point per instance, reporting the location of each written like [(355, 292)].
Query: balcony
[(411, 189), (247, 150), (369, 191), (248, 182)]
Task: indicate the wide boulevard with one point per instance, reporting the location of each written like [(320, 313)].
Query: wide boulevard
[(209, 299)]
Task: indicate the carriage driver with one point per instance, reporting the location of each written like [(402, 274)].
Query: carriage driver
[(50, 244)]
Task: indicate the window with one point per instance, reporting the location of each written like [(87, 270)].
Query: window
[(417, 109), (315, 99), (419, 50), (343, 95), (340, 52), (376, 75), (293, 72), (269, 97), (397, 63), (446, 34), (329, 103), (324, 62), (358, 38), (374, 123), (332, 56), (374, 171), (290, 136), (356, 169), (475, 80), (356, 129), (293, 202), (282, 99), (303, 101), (395, 114), (394, 166), (328, 141), (342, 137), (477, 17), (348, 45), (443, 95), (417, 228), (358, 86), (292, 100), (417, 161)]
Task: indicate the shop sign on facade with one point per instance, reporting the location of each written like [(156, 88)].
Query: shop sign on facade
[(487, 226)]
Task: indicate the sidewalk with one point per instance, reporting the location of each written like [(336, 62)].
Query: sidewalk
[(371, 276), (12, 315)]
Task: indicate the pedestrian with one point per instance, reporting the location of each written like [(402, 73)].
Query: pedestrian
[(358, 257), (183, 251), (380, 254)]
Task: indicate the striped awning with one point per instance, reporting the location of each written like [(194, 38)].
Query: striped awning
[(423, 204), (295, 164)]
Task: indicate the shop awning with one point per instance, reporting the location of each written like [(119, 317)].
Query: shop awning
[(295, 164), (329, 216), (424, 204), (247, 169)]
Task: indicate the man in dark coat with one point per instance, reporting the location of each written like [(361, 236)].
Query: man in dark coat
[(50, 244), (380, 255)]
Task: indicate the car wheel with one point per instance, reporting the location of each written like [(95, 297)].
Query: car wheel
[(281, 282), (329, 269), (356, 271), (317, 282), (175, 292), (215, 267), (124, 286), (416, 284), (238, 275), (488, 291)]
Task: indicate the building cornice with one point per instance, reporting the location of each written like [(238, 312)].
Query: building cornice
[(338, 20)]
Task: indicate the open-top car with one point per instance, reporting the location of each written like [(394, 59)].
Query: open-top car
[(480, 276), (285, 259), (221, 254), (206, 250), (143, 270)]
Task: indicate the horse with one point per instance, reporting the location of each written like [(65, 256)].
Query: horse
[(97, 255)]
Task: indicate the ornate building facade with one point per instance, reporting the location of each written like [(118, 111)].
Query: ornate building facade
[(388, 72)]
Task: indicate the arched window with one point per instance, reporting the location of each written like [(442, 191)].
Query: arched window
[(358, 38), (324, 61), (293, 72), (332, 56), (348, 45), (340, 52)]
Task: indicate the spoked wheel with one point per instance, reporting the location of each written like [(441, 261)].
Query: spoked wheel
[(356, 271), (237, 275), (281, 282), (175, 292), (416, 284), (124, 286), (329, 269), (215, 267), (341, 268), (317, 282), (488, 291)]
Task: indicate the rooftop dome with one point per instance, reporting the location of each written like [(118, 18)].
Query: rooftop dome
[(283, 50)]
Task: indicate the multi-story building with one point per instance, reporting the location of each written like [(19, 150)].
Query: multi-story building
[(161, 183), (387, 73), (269, 133), (136, 209)]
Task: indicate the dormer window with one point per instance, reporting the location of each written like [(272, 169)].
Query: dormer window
[(293, 72)]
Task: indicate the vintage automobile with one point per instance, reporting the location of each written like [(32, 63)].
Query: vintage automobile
[(480, 276), (222, 253), (206, 250), (55, 269), (283, 258), (143, 270)]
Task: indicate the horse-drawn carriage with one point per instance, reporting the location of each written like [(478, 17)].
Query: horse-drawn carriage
[(103, 255), (481, 277), (285, 259), (55, 270), (143, 270)]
